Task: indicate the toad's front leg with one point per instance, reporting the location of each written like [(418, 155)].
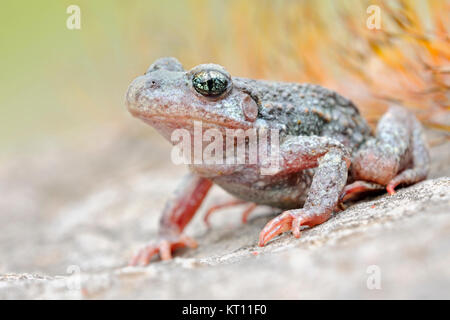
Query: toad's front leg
[(332, 161), (176, 215)]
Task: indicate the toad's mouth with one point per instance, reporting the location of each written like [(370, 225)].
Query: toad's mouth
[(187, 120)]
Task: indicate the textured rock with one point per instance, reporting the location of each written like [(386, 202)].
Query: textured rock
[(72, 216)]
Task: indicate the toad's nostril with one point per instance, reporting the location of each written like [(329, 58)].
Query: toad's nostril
[(154, 84)]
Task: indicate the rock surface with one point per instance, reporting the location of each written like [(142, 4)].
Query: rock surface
[(72, 215)]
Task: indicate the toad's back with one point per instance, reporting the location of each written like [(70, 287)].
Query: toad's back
[(306, 110)]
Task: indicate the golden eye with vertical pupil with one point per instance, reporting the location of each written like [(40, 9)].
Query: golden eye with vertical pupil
[(210, 83)]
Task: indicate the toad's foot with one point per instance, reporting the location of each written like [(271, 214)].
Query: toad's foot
[(358, 187), (250, 207), (407, 177), (290, 220), (164, 247)]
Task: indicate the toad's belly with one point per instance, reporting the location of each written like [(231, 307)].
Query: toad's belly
[(286, 192)]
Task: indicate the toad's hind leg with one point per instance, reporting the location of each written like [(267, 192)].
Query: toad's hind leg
[(250, 207), (397, 155), (420, 160)]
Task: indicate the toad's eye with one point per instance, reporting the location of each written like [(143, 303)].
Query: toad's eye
[(210, 83)]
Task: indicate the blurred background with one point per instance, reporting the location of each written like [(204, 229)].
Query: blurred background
[(58, 82), (82, 183)]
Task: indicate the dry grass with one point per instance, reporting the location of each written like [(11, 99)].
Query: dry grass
[(407, 61)]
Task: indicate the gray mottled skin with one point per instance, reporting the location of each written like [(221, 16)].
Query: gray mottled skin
[(306, 110), (327, 150)]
